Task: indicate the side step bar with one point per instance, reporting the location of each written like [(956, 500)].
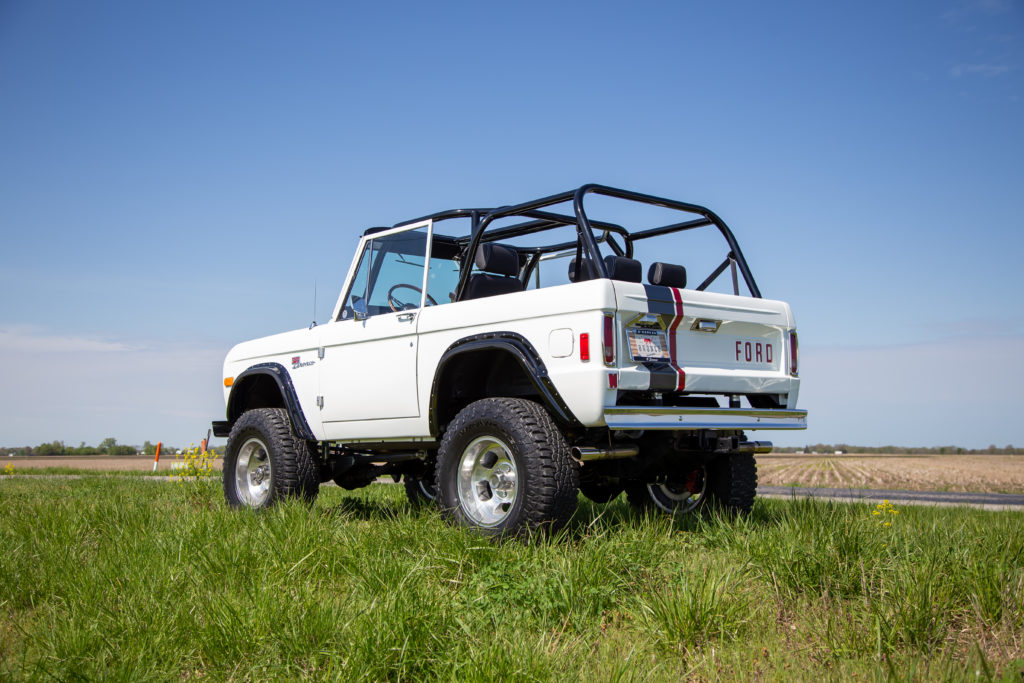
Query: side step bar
[(669, 417)]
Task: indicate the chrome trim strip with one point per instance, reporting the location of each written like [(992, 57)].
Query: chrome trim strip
[(655, 417)]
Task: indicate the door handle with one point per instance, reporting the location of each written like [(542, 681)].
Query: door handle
[(406, 317)]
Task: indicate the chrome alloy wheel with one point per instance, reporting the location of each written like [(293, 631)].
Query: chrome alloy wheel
[(488, 481), (679, 496), (253, 475)]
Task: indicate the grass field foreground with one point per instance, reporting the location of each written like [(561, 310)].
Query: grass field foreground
[(125, 578)]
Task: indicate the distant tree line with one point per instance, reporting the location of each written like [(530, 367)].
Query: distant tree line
[(902, 450), (108, 446)]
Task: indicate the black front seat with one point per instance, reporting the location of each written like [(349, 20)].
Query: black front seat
[(500, 266)]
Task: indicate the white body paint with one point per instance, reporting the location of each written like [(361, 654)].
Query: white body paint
[(371, 378)]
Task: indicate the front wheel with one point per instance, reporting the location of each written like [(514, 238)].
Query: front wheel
[(504, 469), (265, 463)]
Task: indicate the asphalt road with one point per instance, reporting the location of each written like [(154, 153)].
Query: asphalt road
[(986, 501)]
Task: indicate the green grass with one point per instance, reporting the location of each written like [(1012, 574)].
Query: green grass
[(81, 472), (106, 577)]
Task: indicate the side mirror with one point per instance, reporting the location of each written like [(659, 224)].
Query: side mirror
[(359, 309)]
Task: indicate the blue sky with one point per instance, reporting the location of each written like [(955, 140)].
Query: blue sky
[(175, 176)]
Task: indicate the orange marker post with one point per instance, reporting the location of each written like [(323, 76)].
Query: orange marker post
[(157, 458)]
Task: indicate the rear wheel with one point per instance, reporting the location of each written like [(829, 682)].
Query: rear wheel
[(727, 482), (675, 495), (265, 463), (732, 482), (504, 469)]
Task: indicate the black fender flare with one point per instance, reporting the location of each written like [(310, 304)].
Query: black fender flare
[(519, 348), (277, 372)]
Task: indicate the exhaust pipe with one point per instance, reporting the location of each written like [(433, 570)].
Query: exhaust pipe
[(754, 447), (587, 454)]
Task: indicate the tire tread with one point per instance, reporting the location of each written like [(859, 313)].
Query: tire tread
[(295, 471), (550, 495), (733, 482)]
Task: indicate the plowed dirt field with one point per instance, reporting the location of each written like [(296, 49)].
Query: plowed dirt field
[(975, 473)]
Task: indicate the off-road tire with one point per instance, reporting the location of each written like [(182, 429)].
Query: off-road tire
[(641, 496), (732, 482), (294, 470), (421, 491), (547, 478), (731, 486)]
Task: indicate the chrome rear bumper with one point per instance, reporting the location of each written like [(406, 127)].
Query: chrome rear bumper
[(655, 417)]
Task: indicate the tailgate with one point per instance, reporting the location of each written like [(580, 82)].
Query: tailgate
[(701, 342)]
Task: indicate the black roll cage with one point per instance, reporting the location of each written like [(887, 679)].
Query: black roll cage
[(586, 243)]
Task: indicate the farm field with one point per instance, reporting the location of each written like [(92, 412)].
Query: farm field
[(974, 473), (115, 577)]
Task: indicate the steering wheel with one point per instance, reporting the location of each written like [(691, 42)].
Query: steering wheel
[(398, 305)]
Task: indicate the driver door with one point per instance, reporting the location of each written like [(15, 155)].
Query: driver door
[(368, 369)]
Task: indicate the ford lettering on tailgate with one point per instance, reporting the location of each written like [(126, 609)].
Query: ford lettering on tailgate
[(756, 351)]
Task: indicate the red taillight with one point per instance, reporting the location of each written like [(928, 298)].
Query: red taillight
[(584, 346), (794, 354), (609, 339)]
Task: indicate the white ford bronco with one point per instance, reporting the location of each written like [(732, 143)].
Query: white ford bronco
[(500, 361)]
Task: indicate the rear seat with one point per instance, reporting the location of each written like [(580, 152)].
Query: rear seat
[(624, 268), (618, 267), (667, 275)]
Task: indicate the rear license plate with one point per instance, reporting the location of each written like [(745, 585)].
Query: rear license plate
[(647, 345)]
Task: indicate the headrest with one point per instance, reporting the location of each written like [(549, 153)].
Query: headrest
[(585, 271), (497, 258), (623, 268), (667, 275)]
